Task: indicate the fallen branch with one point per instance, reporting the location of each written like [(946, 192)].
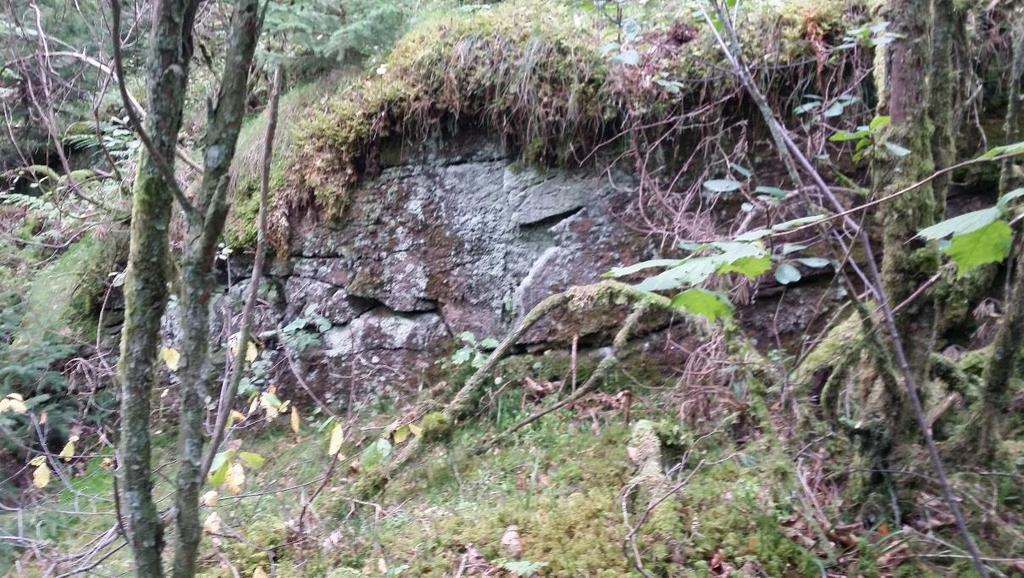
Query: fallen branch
[(610, 360)]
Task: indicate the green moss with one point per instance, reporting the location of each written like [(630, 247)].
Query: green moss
[(62, 298), (533, 74)]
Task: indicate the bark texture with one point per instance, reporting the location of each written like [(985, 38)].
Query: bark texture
[(146, 282), (905, 266), (198, 278)]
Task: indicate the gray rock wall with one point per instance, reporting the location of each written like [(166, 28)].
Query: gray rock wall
[(448, 238)]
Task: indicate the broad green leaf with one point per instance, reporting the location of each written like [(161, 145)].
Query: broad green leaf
[(630, 269), (692, 272), (468, 337), (879, 122), (252, 460), (989, 244), (722, 185), (376, 453), (709, 304), (750, 267), (962, 224), (220, 473), (786, 273), (488, 343), (1011, 196), (813, 262)]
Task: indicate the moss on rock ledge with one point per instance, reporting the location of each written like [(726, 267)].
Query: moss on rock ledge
[(539, 76)]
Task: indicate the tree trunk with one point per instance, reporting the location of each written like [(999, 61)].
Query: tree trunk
[(904, 266), (198, 278), (1009, 177), (1006, 348), (146, 283)]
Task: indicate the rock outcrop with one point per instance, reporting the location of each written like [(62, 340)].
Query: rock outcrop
[(447, 239)]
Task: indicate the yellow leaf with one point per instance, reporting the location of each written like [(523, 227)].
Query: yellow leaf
[(337, 438), (235, 416), (416, 430), (235, 479), (401, 434), (107, 463), (295, 420), (252, 406), (69, 449), (37, 461), (13, 403), (251, 352), (259, 573), (210, 498), (41, 477), (171, 357), (212, 523), (284, 406)]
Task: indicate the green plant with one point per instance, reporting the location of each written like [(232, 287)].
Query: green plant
[(472, 352)]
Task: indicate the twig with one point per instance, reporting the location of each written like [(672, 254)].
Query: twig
[(230, 387), (165, 169)]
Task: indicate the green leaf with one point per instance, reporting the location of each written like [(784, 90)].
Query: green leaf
[(814, 262), (630, 269), (879, 122), (896, 150), (753, 235), (787, 273), (1009, 149), (750, 267), (488, 343), (709, 304), (252, 460), (722, 185), (462, 355), (376, 453), (846, 136), (989, 244), (790, 248), (962, 224), (523, 568), (774, 192), (467, 337), (787, 225), (219, 471), (1013, 195), (692, 272)]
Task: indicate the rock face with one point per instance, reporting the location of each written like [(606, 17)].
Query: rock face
[(449, 238)]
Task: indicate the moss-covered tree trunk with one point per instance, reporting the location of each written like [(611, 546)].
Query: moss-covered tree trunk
[(1006, 348), (146, 283), (198, 280), (906, 266), (1010, 176)]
